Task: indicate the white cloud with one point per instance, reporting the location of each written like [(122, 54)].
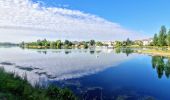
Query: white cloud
[(25, 20)]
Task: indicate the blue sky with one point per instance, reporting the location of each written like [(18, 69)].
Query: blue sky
[(141, 15), (29, 20)]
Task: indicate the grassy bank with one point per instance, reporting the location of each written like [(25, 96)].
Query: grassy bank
[(13, 87), (156, 52), (151, 50)]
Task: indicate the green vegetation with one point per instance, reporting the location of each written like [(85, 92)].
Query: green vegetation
[(41, 44), (162, 39), (160, 45), (127, 43), (59, 44), (155, 40), (160, 52), (99, 43), (168, 38), (8, 44), (13, 87), (118, 44), (92, 42)]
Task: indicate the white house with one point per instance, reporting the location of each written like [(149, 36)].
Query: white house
[(147, 41), (108, 43)]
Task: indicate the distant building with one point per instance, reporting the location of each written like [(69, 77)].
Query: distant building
[(108, 44), (138, 42), (147, 41)]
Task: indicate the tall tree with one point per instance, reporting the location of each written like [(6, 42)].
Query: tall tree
[(66, 42), (92, 42), (128, 41), (162, 36), (168, 38), (155, 40), (118, 43), (39, 43), (59, 43)]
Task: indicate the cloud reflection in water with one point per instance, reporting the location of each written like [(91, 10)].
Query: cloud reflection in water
[(58, 64)]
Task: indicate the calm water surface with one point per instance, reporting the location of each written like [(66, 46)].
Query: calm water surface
[(93, 74)]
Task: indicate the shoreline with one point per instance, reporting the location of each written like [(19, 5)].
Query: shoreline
[(150, 50), (154, 52)]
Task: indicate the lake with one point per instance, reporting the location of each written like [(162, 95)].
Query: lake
[(101, 74)]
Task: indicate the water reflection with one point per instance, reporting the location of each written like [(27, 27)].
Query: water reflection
[(59, 64), (92, 73), (69, 51), (162, 66), (127, 51), (43, 52)]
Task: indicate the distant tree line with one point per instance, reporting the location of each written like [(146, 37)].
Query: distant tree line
[(8, 44), (128, 42), (59, 44), (162, 38)]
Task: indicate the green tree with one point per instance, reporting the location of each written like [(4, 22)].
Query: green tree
[(99, 43), (128, 41), (162, 36), (59, 44), (92, 42), (52, 45), (39, 43), (168, 38), (44, 42), (155, 40), (66, 42), (118, 43), (85, 44), (140, 43)]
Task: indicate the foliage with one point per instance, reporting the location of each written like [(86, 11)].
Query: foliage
[(162, 36), (155, 40), (13, 87), (139, 43), (57, 44), (85, 44), (168, 38), (118, 44), (99, 43), (92, 42), (128, 42)]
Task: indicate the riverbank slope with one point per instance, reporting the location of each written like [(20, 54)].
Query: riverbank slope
[(13, 87)]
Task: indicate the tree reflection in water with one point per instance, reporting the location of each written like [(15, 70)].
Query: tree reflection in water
[(127, 51), (162, 65)]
